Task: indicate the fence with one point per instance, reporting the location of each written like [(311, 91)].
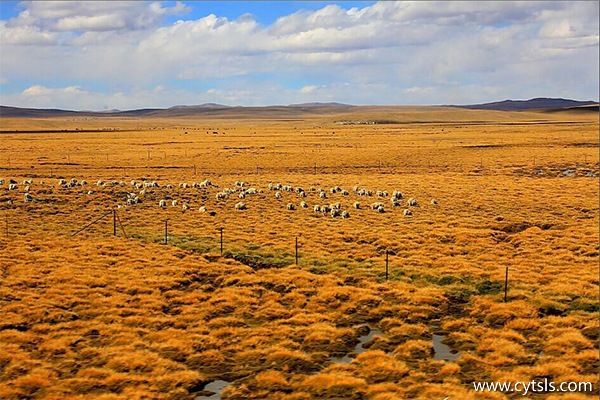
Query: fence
[(258, 258)]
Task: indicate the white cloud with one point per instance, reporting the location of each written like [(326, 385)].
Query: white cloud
[(308, 89), (93, 15), (390, 52)]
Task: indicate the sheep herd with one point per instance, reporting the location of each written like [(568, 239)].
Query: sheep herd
[(325, 200)]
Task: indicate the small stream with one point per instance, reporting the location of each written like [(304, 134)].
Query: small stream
[(440, 352), (359, 348), (216, 387)]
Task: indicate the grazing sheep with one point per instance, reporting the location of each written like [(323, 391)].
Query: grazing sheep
[(332, 190), (73, 182), (132, 200), (174, 203), (27, 181), (317, 208), (27, 198), (291, 206), (355, 189), (325, 209), (12, 181), (221, 196), (323, 195), (278, 195), (162, 204), (334, 213), (380, 209), (100, 182), (434, 202), (345, 193), (395, 203), (335, 206), (1, 181), (240, 206), (242, 195), (312, 189), (303, 204), (251, 191), (12, 186), (62, 182), (26, 188), (185, 207), (202, 209), (376, 205), (407, 212), (345, 214), (356, 205), (83, 182), (302, 194), (412, 202), (90, 192), (169, 186)]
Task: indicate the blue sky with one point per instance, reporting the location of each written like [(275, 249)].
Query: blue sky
[(104, 55)]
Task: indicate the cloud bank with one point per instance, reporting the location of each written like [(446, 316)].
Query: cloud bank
[(97, 55)]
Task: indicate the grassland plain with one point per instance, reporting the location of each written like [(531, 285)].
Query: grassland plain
[(97, 316)]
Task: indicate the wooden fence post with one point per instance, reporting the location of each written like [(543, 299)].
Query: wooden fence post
[(506, 284)]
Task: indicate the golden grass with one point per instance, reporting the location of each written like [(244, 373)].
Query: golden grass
[(96, 316)]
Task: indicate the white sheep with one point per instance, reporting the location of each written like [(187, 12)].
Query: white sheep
[(162, 204), (345, 214), (99, 182), (278, 195), (395, 203), (27, 181), (376, 205), (185, 207), (242, 195), (380, 209), (12, 186), (412, 202), (316, 208), (202, 209), (356, 205), (303, 204), (240, 206), (407, 212), (26, 188), (27, 198), (291, 206), (434, 202), (334, 212), (345, 193), (174, 203), (323, 195)]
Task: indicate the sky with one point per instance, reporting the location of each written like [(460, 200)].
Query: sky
[(104, 55)]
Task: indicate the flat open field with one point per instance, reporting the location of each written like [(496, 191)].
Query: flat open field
[(123, 317)]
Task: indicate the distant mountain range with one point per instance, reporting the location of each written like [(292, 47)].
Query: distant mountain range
[(540, 103), (208, 109)]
